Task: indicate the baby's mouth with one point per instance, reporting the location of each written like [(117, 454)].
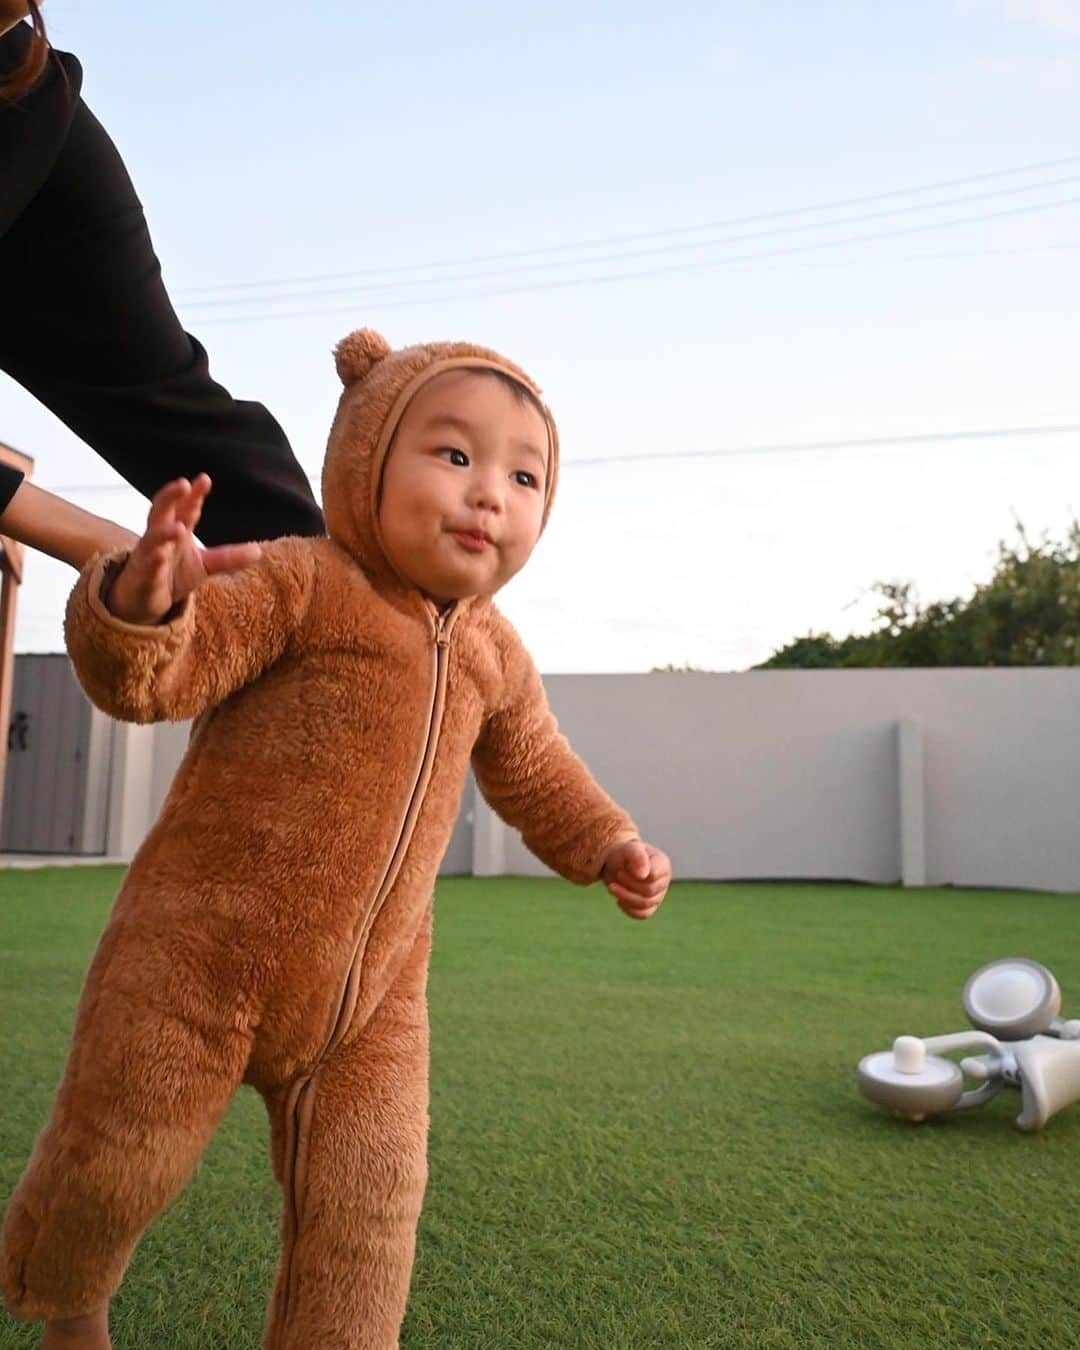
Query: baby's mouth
[(476, 541)]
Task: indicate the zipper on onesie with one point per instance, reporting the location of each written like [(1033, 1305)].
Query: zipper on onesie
[(300, 1102), (442, 625)]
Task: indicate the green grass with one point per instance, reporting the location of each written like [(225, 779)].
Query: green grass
[(643, 1135)]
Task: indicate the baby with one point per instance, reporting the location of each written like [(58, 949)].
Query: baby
[(275, 926)]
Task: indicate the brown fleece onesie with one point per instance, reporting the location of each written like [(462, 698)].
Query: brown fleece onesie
[(275, 926)]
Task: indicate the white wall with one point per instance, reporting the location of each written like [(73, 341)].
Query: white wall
[(967, 777), (797, 773)]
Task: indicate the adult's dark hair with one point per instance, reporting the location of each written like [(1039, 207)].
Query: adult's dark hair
[(27, 73)]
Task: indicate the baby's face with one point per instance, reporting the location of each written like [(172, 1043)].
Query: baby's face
[(462, 498)]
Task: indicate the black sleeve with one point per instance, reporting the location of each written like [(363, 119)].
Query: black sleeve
[(87, 327), (33, 130), (10, 479)]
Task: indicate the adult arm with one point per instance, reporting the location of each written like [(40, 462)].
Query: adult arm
[(87, 327), (54, 526)]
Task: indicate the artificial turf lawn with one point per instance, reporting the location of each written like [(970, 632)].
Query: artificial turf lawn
[(643, 1135)]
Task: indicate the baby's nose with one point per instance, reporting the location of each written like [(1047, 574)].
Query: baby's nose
[(488, 493)]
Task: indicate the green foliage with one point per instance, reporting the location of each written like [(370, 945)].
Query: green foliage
[(1027, 614)]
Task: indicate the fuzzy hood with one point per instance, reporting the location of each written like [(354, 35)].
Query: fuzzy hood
[(379, 385)]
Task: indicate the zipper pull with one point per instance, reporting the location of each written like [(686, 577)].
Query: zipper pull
[(442, 637)]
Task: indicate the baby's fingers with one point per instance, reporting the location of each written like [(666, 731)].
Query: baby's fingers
[(647, 888), (166, 499), (153, 552), (159, 534), (631, 894), (189, 508), (633, 906)]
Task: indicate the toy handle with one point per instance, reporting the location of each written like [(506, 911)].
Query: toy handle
[(961, 1040), (976, 1096)]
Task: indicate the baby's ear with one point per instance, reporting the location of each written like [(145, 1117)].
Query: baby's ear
[(356, 354)]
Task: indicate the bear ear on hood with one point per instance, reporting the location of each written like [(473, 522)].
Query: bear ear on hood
[(356, 354)]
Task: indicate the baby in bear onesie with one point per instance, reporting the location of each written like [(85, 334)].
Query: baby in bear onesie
[(274, 927)]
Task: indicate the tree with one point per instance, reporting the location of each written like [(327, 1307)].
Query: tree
[(1027, 614)]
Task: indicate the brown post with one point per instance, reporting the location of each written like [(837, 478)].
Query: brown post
[(11, 572)]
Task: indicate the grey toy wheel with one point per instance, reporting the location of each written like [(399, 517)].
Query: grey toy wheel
[(1013, 998), (917, 1084), (937, 1086)]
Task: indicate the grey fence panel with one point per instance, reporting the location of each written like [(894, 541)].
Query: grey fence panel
[(19, 781), (34, 691), (47, 831), (45, 752), (77, 726), (46, 784), (73, 744), (34, 702)]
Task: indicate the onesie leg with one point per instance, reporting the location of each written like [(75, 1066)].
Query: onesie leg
[(145, 1084), (354, 1165)]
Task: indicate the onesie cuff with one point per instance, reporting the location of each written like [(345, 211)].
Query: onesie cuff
[(623, 834), (95, 580), (124, 667)]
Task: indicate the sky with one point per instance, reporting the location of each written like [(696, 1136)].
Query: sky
[(798, 281)]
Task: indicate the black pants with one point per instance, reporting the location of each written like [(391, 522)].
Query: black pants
[(87, 327)]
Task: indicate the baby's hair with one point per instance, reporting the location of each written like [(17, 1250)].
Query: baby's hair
[(521, 392)]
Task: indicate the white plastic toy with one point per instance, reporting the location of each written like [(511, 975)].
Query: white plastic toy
[(1013, 1004)]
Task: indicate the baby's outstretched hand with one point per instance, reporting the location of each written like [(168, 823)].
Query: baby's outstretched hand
[(638, 876), (166, 563)]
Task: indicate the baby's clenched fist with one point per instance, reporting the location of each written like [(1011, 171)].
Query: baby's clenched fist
[(638, 876)]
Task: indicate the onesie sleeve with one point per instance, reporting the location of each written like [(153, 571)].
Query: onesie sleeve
[(223, 636), (533, 780)]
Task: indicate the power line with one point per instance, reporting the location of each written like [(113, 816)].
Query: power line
[(672, 269), (802, 447), (392, 286), (785, 448), (610, 240)]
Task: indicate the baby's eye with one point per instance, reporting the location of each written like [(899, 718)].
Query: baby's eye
[(524, 478), (454, 456)]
